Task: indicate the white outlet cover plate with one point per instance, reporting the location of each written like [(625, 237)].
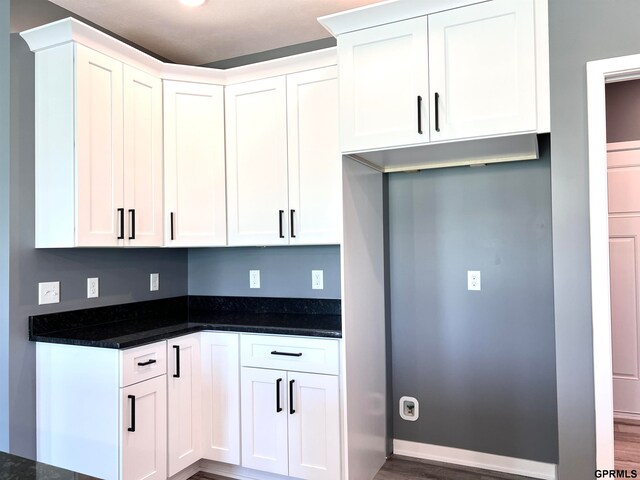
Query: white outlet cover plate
[(93, 287), (317, 279), (48, 292), (154, 282), (254, 278), (416, 409), (473, 280)]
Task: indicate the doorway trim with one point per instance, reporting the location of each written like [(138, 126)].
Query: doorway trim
[(599, 73)]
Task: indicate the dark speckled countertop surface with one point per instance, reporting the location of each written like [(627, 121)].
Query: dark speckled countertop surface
[(134, 324), (18, 468)]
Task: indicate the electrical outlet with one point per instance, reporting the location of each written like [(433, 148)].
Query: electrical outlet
[(317, 279), (254, 278), (154, 282), (93, 287), (473, 280), (48, 292)]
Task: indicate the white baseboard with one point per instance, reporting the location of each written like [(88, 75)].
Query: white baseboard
[(626, 416), (456, 456), (237, 472)]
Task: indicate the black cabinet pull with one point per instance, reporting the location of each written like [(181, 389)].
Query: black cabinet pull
[(132, 214), (177, 349), (437, 108), (132, 428), (291, 410), (280, 212), (278, 406), (420, 114), (148, 362), (286, 354), (171, 225), (121, 214), (292, 214)]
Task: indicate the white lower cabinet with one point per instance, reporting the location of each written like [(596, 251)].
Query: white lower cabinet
[(184, 392), (144, 430), (290, 420)]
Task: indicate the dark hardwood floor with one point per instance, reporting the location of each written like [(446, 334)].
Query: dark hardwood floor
[(404, 468), (627, 444)]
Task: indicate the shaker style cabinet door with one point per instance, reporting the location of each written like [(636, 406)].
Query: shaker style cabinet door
[(384, 86), (184, 398), (256, 132), (315, 162), (264, 420), (221, 397), (195, 204), (143, 434), (99, 149), (142, 158), (314, 426), (482, 72)]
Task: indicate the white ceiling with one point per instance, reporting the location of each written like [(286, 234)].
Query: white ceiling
[(220, 29)]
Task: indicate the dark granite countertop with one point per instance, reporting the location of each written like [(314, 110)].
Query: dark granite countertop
[(134, 324), (18, 468)]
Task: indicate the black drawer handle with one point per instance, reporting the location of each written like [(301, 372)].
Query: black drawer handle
[(171, 217), (286, 354), (420, 114), (121, 215), (437, 109), (132, 214), (278, 406), (132, 428), (148, 362), (280, 213), (177, 349), (293, 235), (291, 410)]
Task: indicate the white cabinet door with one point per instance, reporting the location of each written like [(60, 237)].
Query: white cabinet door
[(195, 205), (221, 397), (482, 67), (383, 74), (99, 149), (314, 426), (184, 393), (142, 158), (264, 420), (256, 132), (315, 163), (143, 408)]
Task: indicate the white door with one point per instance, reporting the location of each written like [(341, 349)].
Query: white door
[(482, 69), (624, 261), (256, 129), (384, 86), (221, 397), (142, 158), (264, 420), (143, 408), (195, 202), (99, 150), (315, 163), (184, 396), (314, 426)]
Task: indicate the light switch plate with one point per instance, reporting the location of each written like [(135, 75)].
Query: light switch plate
[(48, 292), (317, 279), (154, 282), (254, 278), (473, 280), (93, 287)]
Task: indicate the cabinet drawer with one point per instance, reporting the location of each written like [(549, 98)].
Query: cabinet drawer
[(299, 354), (141, 363)]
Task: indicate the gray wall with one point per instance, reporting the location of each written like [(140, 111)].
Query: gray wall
[(623, 111), (284, 271), (4, 224), (124, 274), (579, 32), (481, 364)]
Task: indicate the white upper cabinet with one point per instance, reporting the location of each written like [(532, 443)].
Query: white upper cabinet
[(283, 160), (195, 206), (256, 131), (315, 168), (482, 70), (384, 86)]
